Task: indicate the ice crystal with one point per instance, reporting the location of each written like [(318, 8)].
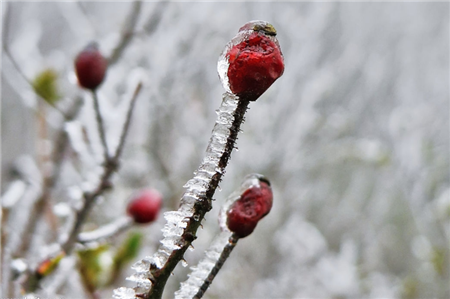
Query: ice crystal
[(124, 293)]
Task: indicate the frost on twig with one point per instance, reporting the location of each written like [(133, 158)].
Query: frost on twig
[(253, 189), (203, 274), (180, 230)]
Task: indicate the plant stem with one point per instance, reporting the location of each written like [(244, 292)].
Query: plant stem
[(100, 126), (223, 257)]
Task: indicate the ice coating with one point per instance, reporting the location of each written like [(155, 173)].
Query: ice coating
[(195, 190), (190, 287)]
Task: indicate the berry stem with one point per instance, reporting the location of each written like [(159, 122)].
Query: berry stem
[(100, 126), (232, 241)]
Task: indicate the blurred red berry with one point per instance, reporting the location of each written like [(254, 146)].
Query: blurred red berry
[(255, 62), (90, 67), (145, 205), (252, 206)]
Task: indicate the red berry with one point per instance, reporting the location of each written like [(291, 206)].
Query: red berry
[(252, 206), (145, 205), (255, 62), (90, 67)]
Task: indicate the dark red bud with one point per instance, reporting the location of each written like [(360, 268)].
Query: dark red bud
[(90, 67), (145, 205), (252, 206)]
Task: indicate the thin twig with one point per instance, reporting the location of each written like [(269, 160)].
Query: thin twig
[(127, 32), (127, 122), (110, 167), (50, 181), (100, 126), (223, 257)]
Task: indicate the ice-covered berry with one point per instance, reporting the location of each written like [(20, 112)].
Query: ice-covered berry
[(255, 203)]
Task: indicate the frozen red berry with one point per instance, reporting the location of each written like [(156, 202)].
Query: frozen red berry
[(144, 206), (254, 60), (245, 213), (90, 67)]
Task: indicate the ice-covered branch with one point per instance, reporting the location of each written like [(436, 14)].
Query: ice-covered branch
[(181, 227), (203, 274)]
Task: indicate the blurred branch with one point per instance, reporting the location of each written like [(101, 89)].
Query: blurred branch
[(110, 166), (155, 18), (49, 181), (100, 126), (106, 231), (127, 32)]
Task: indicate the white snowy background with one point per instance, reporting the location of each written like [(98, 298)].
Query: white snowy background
[(354, 137)]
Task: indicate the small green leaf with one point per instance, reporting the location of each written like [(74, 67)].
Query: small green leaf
[(45, 85), (91, 267), (129, 249)]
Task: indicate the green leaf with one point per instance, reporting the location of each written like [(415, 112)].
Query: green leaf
[(91, 267), (45, 85), (129, 249)]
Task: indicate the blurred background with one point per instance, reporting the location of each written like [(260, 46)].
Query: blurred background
[(354, 137)]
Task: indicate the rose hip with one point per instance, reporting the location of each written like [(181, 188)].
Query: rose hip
[(145, 205), (252, 206), (90, 67), (255, 62)]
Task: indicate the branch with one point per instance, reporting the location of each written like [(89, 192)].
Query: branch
[(127, 32), (110, 167), (182, 225), (106, 231), (232, 241), (100, 126), (204, 272)]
